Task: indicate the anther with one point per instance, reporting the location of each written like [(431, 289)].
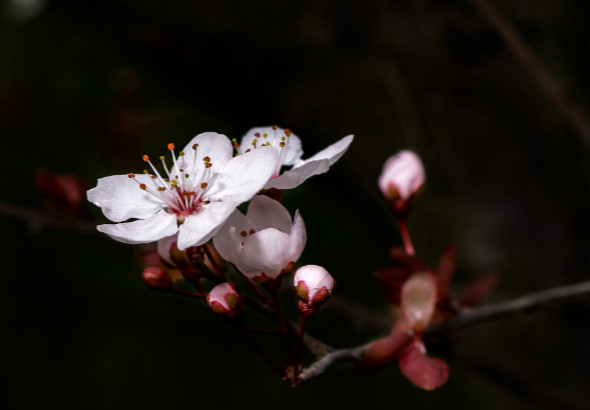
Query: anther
[(142, 186), (206, 159), (204, 185), (287, 132), (146, 158), (162, 157), (251, 231), (257, 134), (131, 175), (274, 127), (244, 234), (195, 146), (161, 188), (171, 146)]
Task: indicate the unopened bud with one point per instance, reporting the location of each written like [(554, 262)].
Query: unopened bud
[(225, 300), (313, 285), (418, 300), (401, 178), (157, 278)]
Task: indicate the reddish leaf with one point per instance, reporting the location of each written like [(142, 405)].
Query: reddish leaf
[(390, 281), (400, 257), (446, 269), (477, 290), (385, 350), (66, 191), (425, 372)]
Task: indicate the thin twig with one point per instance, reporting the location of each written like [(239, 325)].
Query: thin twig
[(524, 304), (534, 67), (39, 220)]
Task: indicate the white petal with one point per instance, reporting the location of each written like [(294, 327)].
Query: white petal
[(243, 176), (332, 152), (210, 144), (227, 240), (120, 197), (296, 176), (199, 227), (293, 151), (298, 238), (157, 226), (264, 252), (265, 212), (164, 246)]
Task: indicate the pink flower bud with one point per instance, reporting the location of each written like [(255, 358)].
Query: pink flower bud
[(157, 278), (313, 285), (418, 299), (401, 178), (225, 300)]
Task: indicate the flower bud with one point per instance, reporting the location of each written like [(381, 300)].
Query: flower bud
[(313, 285), (401, 178), (157, 278), (225, 300), (418, 300)]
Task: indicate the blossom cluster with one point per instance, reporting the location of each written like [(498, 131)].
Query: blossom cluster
[(188, 204)]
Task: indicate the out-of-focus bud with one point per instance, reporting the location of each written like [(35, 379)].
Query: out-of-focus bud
[(401, 178), (157, 278), (418, 299), (225, 300), (313, 285)]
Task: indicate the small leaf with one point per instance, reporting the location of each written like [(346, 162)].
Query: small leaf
[(390, 281), (426, 372), (386, 350), (477, 290), (446, 269)]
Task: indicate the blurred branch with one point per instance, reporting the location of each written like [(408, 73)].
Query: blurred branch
[(403, 102), (39, 220), (533, 66), (524, 304)]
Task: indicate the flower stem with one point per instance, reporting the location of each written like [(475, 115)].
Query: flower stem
[(262, 353), (405, 232), (183, 292), (298, 343), (213, 262)]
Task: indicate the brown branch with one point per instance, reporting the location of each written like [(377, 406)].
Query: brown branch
[(533, 66), (39, 220), (524, 304)]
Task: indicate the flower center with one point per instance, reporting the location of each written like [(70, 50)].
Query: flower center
[(181, 190), (279, 140)]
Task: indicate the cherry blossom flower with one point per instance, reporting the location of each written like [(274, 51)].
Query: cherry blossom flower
[(193, 198), (402, 176), (264, 243), (288, 146)]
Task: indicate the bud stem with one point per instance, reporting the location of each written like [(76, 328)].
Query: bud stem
[(405, 232), (298, 343)]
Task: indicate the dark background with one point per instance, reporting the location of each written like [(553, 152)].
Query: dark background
[(86, 88)]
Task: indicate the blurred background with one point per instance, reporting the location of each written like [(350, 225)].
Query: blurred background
[(86, 88)]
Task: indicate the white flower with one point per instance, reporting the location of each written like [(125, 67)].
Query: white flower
[(402, 176), (192, 199), (289, 148), (313, 284), (263, 243)]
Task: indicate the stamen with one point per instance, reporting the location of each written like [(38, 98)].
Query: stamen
[(244, 234)]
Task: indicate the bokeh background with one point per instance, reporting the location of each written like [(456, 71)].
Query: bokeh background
[(86, 88)]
